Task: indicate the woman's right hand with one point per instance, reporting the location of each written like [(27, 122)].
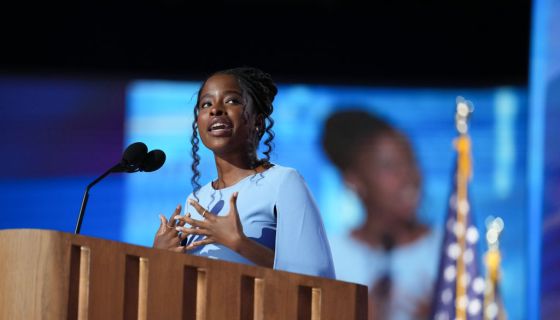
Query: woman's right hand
[(167, 236)]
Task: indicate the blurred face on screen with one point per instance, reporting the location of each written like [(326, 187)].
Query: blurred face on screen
[(387, 178)]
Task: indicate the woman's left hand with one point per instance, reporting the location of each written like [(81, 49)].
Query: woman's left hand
[(166, 236), (226, 230)]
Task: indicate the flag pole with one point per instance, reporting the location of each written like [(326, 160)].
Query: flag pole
[(459, 290), (462, 145), (492, 259)]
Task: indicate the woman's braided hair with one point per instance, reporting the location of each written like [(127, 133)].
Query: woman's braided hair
[(259, 91)]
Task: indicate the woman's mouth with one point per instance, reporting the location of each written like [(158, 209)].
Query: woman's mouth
[(220, 128)]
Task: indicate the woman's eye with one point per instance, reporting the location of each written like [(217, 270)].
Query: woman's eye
[(205, 105), (233, 101)]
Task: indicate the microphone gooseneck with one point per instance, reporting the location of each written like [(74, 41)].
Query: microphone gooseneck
[(135, 158), (86, 196)]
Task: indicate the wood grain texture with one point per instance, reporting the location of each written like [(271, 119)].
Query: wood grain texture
[(143, 289), (83, 284), (39, 269)]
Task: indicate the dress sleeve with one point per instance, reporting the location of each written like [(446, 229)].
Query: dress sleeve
[(301, 242)]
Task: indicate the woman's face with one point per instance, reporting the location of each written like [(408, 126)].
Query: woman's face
[(388, 177), (225, 121)]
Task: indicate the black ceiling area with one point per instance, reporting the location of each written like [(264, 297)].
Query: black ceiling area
[(420, 43)]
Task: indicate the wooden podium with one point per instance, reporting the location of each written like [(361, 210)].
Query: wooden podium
[(55, 275)]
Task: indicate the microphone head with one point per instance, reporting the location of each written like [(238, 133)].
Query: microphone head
[(153, 161), (134, 156)]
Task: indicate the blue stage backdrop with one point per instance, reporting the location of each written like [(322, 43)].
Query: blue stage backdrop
[(58, 135), (160, 113)]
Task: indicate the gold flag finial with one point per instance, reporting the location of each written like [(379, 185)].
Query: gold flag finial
[(463, 111)]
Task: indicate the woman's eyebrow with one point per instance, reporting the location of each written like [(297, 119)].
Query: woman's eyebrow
[(224, 92), (205, 96)]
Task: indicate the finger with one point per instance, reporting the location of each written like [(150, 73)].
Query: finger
[(209, 216), (178, 249), (197, 207), (203, 242), (233, 213), (233, 202), (162, 224), (200, 243), (171, 222), (193, 222), (188, 231), (181, 220)]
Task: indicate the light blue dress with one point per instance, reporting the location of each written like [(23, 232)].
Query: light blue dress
[(277, 210)]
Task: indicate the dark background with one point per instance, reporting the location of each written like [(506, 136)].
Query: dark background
[(403, 43)]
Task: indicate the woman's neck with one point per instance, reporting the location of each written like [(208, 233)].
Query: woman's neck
[(232, 169)]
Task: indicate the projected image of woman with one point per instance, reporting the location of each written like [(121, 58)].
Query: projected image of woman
[(390, 251), (254, 212)]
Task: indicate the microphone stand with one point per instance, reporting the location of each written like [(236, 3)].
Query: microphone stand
[(135, 158), (86, 195)]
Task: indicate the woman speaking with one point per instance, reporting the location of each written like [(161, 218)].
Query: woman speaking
[(254, 212)]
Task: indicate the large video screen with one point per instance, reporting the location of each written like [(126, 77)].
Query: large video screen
[(161, 113), (58, 135)]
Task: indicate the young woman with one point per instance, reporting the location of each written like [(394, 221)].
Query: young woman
[(254, 212)]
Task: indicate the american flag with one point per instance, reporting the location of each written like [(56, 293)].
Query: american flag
[(459, 291)]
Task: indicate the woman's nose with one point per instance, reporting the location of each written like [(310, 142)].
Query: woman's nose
[(217, 109)]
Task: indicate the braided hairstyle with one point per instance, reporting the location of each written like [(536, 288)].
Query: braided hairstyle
[(259, 91)]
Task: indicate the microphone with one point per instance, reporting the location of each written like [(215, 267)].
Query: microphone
[(135, 158), (153, 161), (132, 158)]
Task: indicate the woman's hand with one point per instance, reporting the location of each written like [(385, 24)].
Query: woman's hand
[(226, 230), (167, 236)]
